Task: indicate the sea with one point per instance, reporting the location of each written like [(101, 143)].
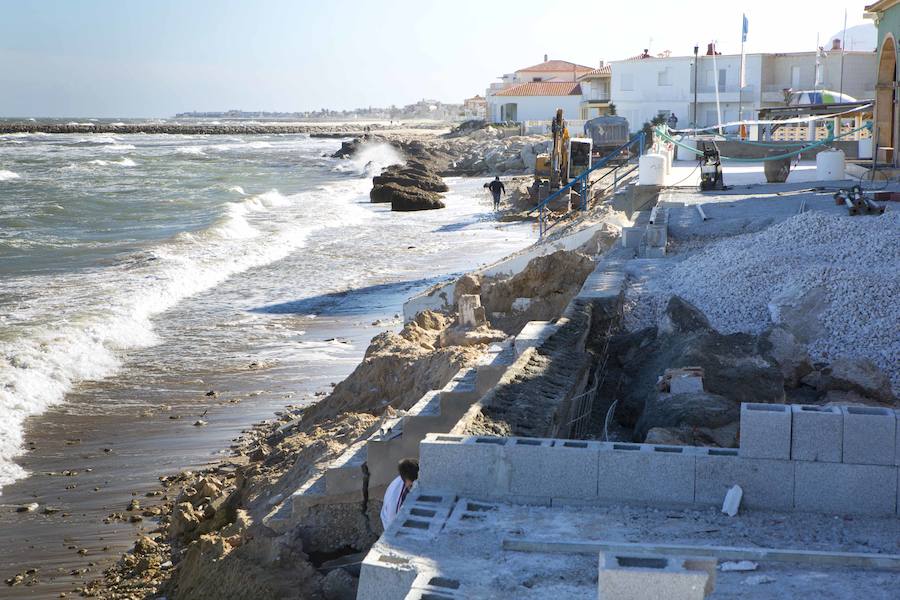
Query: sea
[(142, 272)]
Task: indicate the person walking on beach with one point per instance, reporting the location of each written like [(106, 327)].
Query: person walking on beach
[(398, 490), (496, 187)]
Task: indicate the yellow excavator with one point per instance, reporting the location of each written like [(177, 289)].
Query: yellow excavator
[(568, 157)]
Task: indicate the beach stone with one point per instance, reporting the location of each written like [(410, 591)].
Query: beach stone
[(696, 409), (861, 376), (779, 345), (339, 585)]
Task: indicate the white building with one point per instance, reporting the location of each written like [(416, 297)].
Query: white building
[(535, 93), (644, 87)]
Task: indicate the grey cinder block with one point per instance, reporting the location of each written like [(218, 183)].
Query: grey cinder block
[(840, 488), (869, 435), (817, 433), (650, 577), (470, 466), (552, 468), (645, 474), (766, 483), (384, 576), (765, 431)]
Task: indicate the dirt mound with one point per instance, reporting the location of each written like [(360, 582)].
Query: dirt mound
[(398, 369), (548, 283)]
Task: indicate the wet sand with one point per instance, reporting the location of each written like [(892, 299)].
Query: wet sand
[(143, 448)]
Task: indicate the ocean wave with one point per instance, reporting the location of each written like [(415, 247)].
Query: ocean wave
[(259, 145), (8, 175), (118, 147), (192, 150), (369, 160), (125, 162), (238, 189), (83, 342)]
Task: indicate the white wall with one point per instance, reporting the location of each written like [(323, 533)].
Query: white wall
[(651, 92), (538, 108)]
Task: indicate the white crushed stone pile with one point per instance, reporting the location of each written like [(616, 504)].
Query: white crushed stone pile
[(854, 260)]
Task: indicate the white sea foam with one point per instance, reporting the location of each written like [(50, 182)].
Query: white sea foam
[(8, 175), (258, 145), (370, 159), (37, 369), (124, 162), (118, 147), (238, 189), (192, 150)]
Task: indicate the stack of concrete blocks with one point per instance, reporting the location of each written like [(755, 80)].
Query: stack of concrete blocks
[(842, 459), (645, 577), (656, 238), (791, 458), (533, 335), (436, 412), (388, 576)]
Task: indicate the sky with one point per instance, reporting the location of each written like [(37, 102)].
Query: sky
[(154, 58)]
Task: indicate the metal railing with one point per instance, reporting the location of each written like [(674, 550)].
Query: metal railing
[(544, 224)]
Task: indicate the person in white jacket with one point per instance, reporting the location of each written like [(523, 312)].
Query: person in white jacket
[(398, 490)]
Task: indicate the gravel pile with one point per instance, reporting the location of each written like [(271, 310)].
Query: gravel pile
[(740, 281)]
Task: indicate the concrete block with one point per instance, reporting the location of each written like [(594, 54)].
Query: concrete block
[(870, 434), (533, 335), (465, 466), (431, 585), (897, 439), (632, 236), (345, 474), (521, 304), (816, 433), (646, 474), (471, 313), (765, 431), (766, 484), (385, 576), (552, 468), (839, 488), (686, 384), (652, 577), (493, 365)]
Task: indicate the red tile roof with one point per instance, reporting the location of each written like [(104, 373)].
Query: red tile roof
[(543, 88), (604, 70), (557, 65)]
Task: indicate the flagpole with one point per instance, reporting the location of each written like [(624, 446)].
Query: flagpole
[(741, 84), (843, 51)]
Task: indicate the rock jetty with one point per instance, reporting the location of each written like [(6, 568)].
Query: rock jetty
[(409, 187)]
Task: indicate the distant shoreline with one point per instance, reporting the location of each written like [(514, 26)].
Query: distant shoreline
[(189, 128)]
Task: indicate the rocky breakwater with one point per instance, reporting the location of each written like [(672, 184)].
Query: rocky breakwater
[(466, 153), (254, 128), (409, 187)]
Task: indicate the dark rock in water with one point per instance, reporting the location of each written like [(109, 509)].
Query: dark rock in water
[(698, 409), (416, 175), (732, 364), (347, 150), (405, 199)]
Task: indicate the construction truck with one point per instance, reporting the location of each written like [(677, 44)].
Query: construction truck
[(568, 158)]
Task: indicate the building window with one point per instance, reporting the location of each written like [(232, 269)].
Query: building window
[(536, 79), (664, 77), (795, 78), (627, 82), (723, 77)]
